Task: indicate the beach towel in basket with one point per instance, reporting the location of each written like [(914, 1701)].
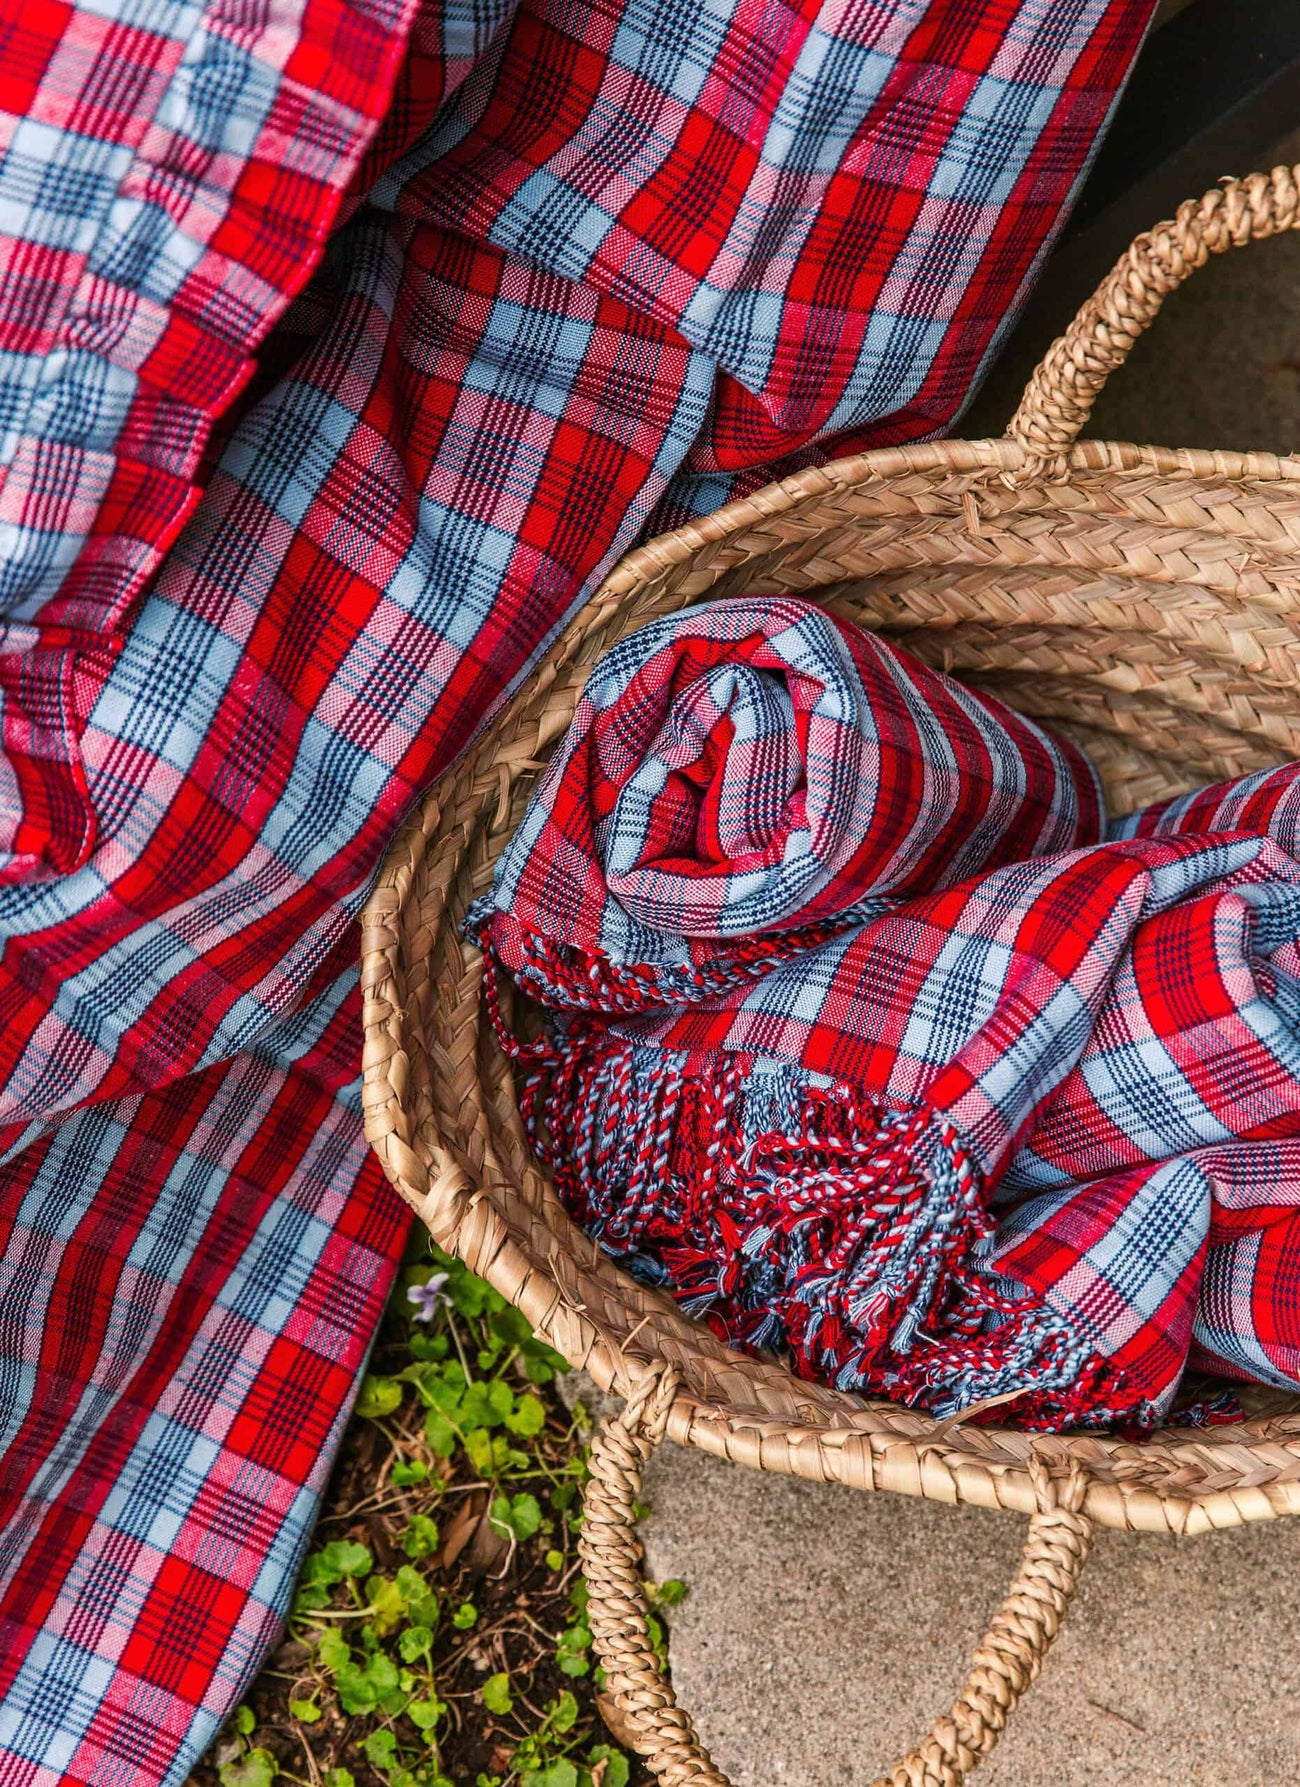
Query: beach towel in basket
[(870, 1044), (1143, 601)]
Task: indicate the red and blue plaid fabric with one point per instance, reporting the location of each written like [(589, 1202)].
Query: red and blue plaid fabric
[(168, 174), (804, 1135), (597, 266), (747, 772)]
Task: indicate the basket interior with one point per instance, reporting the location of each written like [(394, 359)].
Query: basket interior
[(1148, 611)]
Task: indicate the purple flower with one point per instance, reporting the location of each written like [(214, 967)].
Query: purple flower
[(428, 1297)]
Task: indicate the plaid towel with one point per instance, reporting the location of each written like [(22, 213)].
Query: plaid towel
[(757, 765), (943, 989), (593, 269)]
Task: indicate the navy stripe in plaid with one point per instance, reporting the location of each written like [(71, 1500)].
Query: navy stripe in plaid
[(805, 1134), (448, 440)]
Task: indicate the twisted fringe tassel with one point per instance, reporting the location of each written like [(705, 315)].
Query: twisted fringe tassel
[(792, 1214), (570, 979)]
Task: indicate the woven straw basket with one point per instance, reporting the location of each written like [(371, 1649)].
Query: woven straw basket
[(1146, 601)]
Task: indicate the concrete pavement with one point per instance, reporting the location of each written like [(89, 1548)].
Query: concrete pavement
[(824, 1630)]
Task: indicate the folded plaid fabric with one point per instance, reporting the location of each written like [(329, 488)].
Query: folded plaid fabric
[(168, 174), (804, 1133), (596, 270), (753, 765)]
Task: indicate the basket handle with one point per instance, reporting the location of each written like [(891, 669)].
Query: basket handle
[(1021, 1633), (1069, 379)]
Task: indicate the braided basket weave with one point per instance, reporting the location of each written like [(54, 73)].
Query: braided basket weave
[(1146, 601)]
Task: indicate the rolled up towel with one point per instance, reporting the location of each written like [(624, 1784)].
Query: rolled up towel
[(738, 778), (835, 955)]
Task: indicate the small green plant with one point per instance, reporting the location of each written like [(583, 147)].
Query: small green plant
[(575, 1640), (556, 1752), (240, 1762), (441, 1613)]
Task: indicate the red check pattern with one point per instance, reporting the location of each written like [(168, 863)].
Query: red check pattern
[(753, 766), (142, 260), (804, 1132), (599, 266)]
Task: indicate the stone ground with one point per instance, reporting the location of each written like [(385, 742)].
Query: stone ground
[(825, 1629)]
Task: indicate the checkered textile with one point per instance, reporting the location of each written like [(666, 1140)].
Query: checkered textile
[(190, 1281), (756, 765), (596, 270), (168, 173), (804, 1136)]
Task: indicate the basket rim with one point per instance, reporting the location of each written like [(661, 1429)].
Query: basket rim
[(1216, 1478), (999, 454)]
